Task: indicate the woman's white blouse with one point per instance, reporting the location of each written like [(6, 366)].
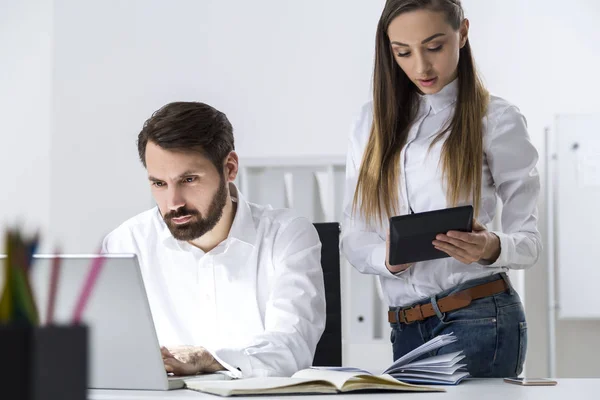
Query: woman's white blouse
[(509, 173)]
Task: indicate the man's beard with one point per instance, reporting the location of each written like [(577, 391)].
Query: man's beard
[(198, 225)]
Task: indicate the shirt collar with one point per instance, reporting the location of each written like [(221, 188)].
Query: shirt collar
[(442, 99), (242, 228)]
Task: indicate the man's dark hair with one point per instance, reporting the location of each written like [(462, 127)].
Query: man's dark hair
[(189, 126)]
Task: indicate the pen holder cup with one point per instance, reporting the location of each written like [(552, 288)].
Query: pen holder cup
[(44, 363)]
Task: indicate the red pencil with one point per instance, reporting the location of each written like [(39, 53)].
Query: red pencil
[(87, 288)]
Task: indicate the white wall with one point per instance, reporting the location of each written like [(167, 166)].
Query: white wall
[(543, 56), (77, 80), (289, 75), (25, 85)]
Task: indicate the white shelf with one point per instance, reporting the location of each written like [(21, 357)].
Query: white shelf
[(291, 162)]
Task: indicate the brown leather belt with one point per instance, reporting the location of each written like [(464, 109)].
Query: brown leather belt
[(449, 303)]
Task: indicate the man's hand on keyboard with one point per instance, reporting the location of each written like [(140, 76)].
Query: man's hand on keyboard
[(189, 360)]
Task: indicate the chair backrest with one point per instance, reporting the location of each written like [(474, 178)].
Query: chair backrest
[(329, 348)]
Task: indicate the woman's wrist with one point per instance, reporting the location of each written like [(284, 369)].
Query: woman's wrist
[(492, 248), (394, 269)]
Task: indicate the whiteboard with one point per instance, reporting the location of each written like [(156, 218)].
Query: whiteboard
[(577, 214)]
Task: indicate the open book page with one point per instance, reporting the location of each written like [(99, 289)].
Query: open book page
[(446, 360), (349, 379), (417, 366), (429, 378), (384, 382), (337, 378), (308, 381), (432, 345), (433, 369), (441, 364), (269, 385)]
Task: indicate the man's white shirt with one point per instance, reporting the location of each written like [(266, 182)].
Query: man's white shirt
[(256, 301)]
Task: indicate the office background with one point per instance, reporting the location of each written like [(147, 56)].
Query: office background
[(78, 78)]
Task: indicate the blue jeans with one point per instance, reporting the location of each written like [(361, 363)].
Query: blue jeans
[(492, 331)]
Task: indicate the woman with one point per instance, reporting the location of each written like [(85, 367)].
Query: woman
[(433, 138)]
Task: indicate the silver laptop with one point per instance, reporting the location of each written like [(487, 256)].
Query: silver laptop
[(124, 352)]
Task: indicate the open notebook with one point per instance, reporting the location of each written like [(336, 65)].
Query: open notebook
[(414, 367), (417, 367), (308, 381)]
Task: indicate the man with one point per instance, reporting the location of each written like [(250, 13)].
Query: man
[(231, 285)]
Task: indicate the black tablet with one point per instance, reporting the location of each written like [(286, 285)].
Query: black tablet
[(411, 235)]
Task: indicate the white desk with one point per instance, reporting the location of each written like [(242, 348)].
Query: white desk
[(484, 389)]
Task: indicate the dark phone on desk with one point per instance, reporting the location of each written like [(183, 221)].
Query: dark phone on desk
[(531, 381)]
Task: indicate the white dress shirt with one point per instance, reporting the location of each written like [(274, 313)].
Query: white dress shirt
[(256, 301), (509, 172)]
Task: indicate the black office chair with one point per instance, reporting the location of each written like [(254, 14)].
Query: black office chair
[(329, 348)]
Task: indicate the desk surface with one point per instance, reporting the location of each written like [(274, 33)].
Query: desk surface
[(477, 389)]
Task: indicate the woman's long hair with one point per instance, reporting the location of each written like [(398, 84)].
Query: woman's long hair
[(395, 102)]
